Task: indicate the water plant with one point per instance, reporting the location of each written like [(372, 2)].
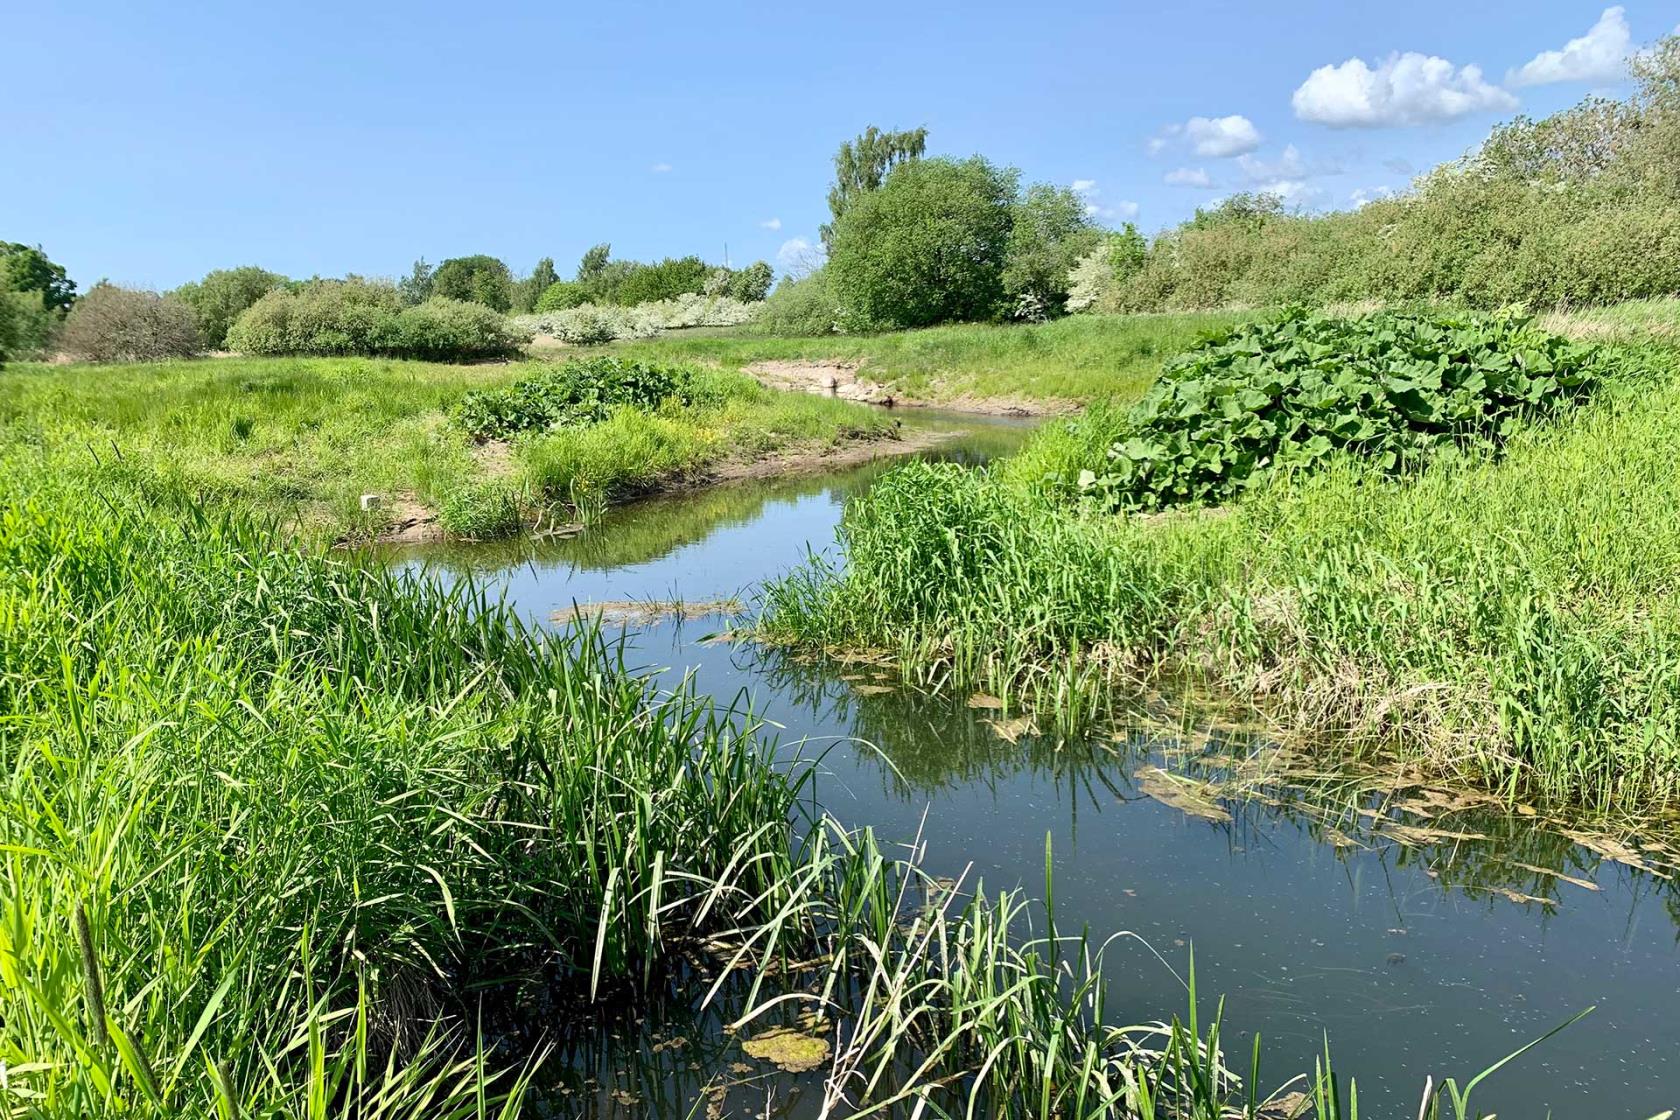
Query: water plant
[(1394, 388)]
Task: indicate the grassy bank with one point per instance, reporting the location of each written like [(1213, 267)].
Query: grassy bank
[(1513, 623), (1077, 359), (304, 438)]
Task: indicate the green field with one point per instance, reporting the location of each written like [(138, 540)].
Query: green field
[(304, 438)]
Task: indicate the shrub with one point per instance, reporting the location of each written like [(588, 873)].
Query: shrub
[(357, 317), (223, 295), (577, 393), (112, 324), (1393, 388), (31, 328), (562, 295), (927, 247), (323, 317), (1094, 280), (590, 325), (750, 284), (1049, 233), (447, 329), (670, 278), (476, 279), (801, 307)]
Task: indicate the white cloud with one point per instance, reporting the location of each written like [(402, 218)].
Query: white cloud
[(1364, 196), (1402, 89), (1598, 56), (1222, 137), (798, 257), (1188, 177), (660, 168), (771, 223), (1123, 210), (1294, 192), (1290, 165)]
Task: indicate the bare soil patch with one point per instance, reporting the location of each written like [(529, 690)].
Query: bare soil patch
[(845, 380)]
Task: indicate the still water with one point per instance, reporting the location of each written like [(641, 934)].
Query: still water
[(1436, 957)]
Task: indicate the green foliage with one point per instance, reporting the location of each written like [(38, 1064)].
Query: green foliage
[(223, 295), (580, 392), (112, 324), (476, 279), (1505, 621), (8, 324), (861, 165), (1394, 389), (750, 284), (443, 330), (1049, 233), (1581, 207), (357, 317), (594, 262), (927, 247), (562, 295), (668, 279), (416, 287), (1097, 276), (530, 290), (802, 307), (26, 268)]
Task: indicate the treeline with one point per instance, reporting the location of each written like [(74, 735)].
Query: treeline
[(452, 311), (1582, 207)]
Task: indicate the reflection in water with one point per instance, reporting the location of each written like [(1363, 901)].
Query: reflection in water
[(1428, 935)]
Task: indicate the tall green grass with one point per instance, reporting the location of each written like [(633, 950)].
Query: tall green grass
[(266, 819), (1512, 623), (304, 438)]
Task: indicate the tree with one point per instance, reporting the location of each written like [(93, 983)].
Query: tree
[(670, 278), (27, 269), (533, 286), (927, 247), (862, 165), (593, 262), (750, 284), (1049, 232), (416, 287), (475, 279), (112, 324), (223, 295)]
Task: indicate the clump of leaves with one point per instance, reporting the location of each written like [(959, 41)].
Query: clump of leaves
[(1394, 388), (580, 392)]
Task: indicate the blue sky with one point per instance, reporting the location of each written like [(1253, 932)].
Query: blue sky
[(150, 142)]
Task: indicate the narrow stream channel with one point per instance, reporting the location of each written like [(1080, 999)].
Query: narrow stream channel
[(1437, 958)]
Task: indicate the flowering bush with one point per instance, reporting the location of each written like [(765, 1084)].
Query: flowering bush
[(590, 325)]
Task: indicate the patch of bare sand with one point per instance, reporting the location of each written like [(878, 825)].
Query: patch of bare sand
[(844, 380)]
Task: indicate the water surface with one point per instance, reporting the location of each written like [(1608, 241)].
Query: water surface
[(1431, 958)]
